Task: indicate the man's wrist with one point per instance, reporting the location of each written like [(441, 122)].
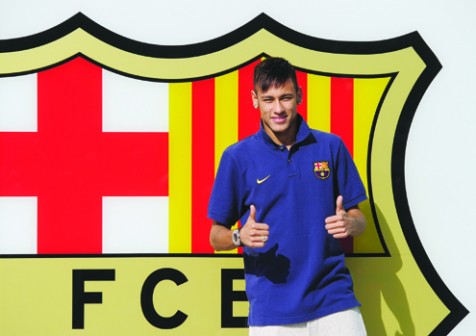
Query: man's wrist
[(235, 237)]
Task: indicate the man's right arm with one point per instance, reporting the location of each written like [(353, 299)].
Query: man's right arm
[(252, 234), (221, 237)]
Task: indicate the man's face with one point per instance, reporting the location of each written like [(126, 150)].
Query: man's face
[(278, 108)]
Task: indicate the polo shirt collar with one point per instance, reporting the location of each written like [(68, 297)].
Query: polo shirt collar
[(303, 132)]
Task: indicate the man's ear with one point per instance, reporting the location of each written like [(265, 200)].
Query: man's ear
[(254, 99), (299, 95)]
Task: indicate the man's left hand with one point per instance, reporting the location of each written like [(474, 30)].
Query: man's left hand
[(339, 225)]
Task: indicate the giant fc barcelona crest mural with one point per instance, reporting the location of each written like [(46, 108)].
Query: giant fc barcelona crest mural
[(108, 158)]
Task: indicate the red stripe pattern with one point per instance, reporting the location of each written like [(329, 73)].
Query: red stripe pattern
[(203, 164)]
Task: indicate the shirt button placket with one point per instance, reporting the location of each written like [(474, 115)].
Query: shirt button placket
[(292, 171)]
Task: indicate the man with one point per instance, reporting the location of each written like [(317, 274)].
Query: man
[(297, 192)]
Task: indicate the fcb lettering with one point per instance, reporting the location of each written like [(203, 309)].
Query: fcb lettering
[(81, 297)]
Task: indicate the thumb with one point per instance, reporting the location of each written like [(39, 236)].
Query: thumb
[(253, 213), (339, 204)]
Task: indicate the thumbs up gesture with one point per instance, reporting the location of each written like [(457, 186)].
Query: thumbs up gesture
[(340, 225), (254, 234), (345, 223)]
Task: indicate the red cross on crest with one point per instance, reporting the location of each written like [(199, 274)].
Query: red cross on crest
[(70, 163)]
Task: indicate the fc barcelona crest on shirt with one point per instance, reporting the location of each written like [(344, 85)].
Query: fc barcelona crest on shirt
[(322, 170)]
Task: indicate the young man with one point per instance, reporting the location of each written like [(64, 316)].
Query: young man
[(296, 191)]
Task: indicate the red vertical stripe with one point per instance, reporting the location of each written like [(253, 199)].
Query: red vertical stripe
[(249, 117), (203, 162), (342, 123), (302, 82), (342, 110), (69, 121)]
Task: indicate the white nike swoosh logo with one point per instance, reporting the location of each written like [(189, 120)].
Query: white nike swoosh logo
[(262, 180)]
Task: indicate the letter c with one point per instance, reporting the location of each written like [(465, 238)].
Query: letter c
[(147, 303)]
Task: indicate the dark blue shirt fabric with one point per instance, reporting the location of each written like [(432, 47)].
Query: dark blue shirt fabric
[(300, 273)]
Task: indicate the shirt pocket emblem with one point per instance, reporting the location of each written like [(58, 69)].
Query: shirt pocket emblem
[(322, 170)]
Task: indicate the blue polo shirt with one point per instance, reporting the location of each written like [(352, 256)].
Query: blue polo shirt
[(300, 274)]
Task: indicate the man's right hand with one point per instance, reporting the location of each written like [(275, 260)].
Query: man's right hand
[(254, 234)]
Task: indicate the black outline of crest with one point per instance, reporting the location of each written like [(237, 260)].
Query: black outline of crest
[(262, 21)]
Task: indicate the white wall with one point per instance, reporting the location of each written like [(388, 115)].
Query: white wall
[(440, 156)]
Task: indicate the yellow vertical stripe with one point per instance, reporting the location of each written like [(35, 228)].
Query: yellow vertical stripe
[(226, 116), (319, 102), (226, 113), (180, 172), (367, 95)]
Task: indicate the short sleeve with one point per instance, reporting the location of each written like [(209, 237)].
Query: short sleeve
[(349, 183), (224, 204)]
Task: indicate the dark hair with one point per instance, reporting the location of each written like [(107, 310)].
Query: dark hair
[(274, 71)]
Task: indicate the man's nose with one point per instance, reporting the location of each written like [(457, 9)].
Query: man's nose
[(278, 106)]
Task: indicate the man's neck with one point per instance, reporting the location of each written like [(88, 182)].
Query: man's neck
[(284, 139)]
